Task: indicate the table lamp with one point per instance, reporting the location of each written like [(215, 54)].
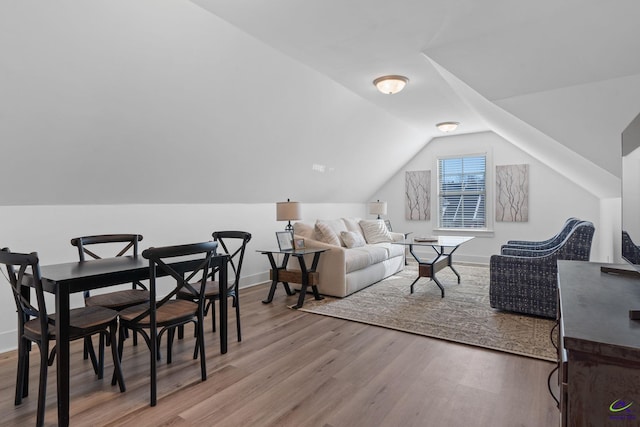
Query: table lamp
[(288, 211), (378, 208)]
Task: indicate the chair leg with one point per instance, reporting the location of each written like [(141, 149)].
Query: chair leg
[(114, 377), (170, 334), (92, 355), (236, 301), (117, 367), (21, 388), (101, 356), (85, 350), (200, 342), (212, 304), (42, 388)]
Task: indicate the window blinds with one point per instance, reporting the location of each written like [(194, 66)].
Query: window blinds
[(462, 192)]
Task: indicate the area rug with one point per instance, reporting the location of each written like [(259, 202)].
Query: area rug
[(462, 316)]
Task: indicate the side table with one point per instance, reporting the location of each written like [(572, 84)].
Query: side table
[(306, 276)]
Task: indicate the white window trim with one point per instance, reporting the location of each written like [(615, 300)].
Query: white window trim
[(489, 194)]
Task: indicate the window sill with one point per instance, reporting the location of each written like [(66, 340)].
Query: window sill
[(476, 232)]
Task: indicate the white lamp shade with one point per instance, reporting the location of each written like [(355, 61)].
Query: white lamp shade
[(378, 208), (288, 211)]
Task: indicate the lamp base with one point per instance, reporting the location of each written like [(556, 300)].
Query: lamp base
[(289, 227)]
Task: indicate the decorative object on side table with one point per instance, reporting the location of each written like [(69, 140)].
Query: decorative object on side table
[(288, 211), (298, 244), (285, 240)]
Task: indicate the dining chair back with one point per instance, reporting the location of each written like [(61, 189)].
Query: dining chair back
[(233, 243), (152, 319), (114, 243), (35, 324), (111, 245)]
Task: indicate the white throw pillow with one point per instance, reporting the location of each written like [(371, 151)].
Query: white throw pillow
[(352, 239), (329, 231), (375, 231), (353, 224)]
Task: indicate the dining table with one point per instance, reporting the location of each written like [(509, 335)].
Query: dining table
[(64, 279)]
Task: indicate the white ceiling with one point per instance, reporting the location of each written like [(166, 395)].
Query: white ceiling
[(137, 101), (506, 51)]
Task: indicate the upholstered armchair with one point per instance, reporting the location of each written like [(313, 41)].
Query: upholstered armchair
[(630, 251), (526, 281), (550, 243)]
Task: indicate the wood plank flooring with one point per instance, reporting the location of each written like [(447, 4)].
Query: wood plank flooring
[(299, 369)]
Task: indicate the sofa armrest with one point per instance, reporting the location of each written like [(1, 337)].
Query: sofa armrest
[(317, 244), (397, 237), (331, 266)]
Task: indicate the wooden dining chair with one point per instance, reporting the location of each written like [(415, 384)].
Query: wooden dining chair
[(233, 243), (115, 300), (36, 324), (154, 318)]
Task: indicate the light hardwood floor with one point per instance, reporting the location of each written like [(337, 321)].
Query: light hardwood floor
[(299, 369)]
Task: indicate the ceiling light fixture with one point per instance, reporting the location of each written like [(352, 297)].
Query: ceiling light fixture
[(390, 84), (447, 126)]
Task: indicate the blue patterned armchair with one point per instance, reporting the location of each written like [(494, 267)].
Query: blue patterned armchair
[(526, 280), (630, 251)]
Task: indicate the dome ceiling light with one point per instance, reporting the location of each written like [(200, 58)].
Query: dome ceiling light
[(390, 84), (447, 126)]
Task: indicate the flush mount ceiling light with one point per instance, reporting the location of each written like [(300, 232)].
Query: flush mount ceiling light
[(447, 126), (390, 84)]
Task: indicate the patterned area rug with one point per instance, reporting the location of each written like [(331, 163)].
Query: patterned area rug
[(462, 316)]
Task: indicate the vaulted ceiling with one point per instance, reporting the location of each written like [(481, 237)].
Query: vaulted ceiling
[(212, 101), (566, 71)]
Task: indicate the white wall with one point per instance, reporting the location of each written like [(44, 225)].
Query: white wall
[(48, 230), (552, 198), (138, 101)]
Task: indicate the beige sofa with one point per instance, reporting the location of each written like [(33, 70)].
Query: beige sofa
[(360, 253)]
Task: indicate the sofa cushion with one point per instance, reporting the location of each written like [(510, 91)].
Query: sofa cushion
[(353, 224), (356, 259), (376, 253), (392, 250), (329, 231), (375, 231), (352, 239)]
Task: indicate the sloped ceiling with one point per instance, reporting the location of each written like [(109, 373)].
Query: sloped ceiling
[(211, 101), (566, 70)]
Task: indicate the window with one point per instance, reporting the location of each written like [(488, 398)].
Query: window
[(462, 192)]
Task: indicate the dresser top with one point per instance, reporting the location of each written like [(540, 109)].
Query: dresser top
[(594, 309)]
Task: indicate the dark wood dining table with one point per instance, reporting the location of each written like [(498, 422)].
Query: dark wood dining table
[(64, 279)]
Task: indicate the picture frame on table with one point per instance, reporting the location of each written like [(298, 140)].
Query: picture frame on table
[(285, 240), (298, 244)]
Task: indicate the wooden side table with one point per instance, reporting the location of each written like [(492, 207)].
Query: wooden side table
[(305, 276)]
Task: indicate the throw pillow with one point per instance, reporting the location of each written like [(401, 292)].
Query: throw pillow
[(352, 224), (327, 234), (375, 231), (352, 239)]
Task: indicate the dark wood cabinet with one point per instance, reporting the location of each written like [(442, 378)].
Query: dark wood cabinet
[(599, 346)]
